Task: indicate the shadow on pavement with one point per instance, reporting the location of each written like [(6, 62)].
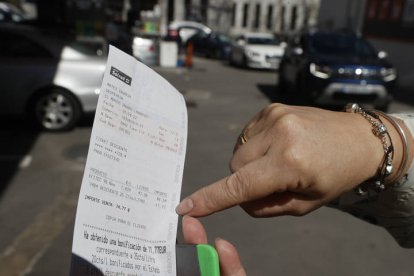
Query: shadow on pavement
[(82, 267), (17, 137), (275, 95), (87, 120)]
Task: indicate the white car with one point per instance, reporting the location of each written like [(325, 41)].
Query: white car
[(257, 50)]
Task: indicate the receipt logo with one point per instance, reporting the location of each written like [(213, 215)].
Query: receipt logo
[(121, 76)]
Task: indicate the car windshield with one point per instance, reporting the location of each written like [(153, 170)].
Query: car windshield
[(263, 40), (223, 38), (329, 44)]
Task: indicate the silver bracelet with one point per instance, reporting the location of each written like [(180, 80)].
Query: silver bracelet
[(377, 183)]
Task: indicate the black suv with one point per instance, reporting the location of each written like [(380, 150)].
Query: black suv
[(335, 68)]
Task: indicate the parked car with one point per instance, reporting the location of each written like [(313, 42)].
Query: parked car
[(212, 45), (10, 13), (181, 31), (145, 48), (257, 50), (337, 68), (53, 80)]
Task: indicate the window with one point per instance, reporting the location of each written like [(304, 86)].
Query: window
[(293, 18), (263, 41), (233, 15), (257, 17), (269, 20), (245, 14), (13, 45)]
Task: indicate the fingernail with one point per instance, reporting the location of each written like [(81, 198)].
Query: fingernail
[(184, 207), (218, 239)]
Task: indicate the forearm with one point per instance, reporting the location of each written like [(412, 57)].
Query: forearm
[(393, 208)]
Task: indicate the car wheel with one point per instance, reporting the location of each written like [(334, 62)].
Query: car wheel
[(56, 110), (217, 54), (244, 62), (281, 82), (302, 90), (231, 59)]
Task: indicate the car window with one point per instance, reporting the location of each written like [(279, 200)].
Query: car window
[(14, 45), (340, 44), (263, 40)]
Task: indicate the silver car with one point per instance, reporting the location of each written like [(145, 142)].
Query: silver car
[(52, 80), (145, 48)]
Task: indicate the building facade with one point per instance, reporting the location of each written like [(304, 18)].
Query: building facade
[(275, 16), (238, 16)]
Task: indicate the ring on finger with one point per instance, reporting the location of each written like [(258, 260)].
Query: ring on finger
[(243, 137)]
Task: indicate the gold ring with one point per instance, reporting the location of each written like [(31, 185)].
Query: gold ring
[(243, 137)]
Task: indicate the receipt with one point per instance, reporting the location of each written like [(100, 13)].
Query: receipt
[(126, 222)]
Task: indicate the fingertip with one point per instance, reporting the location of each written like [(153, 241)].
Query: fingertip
[(229, 258), (193, 231), (224, 247), (185, 207)]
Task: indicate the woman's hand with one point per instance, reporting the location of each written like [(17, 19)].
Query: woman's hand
[(295, 160), (194, 233)]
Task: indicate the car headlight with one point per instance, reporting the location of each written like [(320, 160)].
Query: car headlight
[(252, 54), (388, 74), (320, 71)]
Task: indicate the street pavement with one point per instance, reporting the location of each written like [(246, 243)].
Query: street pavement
[(41, 175)]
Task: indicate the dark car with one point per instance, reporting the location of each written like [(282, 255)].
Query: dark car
[(212, 45), (335, 68)]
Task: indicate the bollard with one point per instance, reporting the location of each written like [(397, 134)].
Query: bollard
[(189, 56)]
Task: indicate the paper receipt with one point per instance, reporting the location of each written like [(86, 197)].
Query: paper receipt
[(126, 222)]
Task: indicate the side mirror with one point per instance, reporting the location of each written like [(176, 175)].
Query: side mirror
[(382, 54)]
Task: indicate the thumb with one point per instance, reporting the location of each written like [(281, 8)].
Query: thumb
[(230, 264)]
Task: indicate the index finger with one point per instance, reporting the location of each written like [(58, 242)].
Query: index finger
[(250, 182)]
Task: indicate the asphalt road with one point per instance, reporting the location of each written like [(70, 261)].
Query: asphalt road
[(41, 175)]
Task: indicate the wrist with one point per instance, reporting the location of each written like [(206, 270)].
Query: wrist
[(385, 129), (403, 147)]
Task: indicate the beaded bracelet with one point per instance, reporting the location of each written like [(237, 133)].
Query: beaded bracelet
[(379, 130)]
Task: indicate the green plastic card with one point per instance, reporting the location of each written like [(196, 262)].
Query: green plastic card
[(197, 260)]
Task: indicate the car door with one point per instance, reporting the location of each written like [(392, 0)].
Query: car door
[(24, 67), (238, 49), (199, 41), (293, 60)]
